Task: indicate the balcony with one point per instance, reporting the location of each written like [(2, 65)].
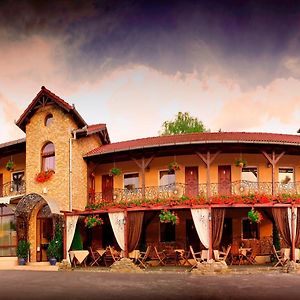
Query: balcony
[(237, 192), (12, 188)]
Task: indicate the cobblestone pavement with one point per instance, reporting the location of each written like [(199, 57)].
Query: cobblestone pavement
[(105, 285)]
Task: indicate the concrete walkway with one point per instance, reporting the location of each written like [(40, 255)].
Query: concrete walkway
[(105, 285)]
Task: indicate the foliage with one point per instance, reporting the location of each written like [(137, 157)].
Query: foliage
[(92, 221), (77, 240), (55, 248), (183, 123), (167, 216), (115, 172), (241, 163), (255, 216), (173, 166), (44, 176), (23, 249), (10, 165)]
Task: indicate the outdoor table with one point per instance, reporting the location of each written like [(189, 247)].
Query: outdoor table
[(244, 253), (78, 255), (181, 255)]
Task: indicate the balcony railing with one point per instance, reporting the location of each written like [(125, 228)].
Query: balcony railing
[(12, 188), (180, 191)]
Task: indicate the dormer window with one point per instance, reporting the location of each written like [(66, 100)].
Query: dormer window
[(48, 120), (48, 157)]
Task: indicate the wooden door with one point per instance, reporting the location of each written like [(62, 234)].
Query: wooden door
[(44, 235), (107, 187), (1, 185), (191, 181), (224, 180)]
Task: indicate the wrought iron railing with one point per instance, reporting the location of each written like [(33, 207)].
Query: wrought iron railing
[(12, 188), (185, 191)]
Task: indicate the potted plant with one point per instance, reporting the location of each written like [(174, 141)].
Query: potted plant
[(115, 172), (167, 216), (255, 216), (92, 221), (10, 165), (23, 251), (52, 252), (241, 163), (173, 166), (44, 176)]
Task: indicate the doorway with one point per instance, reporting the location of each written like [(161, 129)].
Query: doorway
[(107, 187), (191, 181), (192, 238), (224, 175), (227, 232)]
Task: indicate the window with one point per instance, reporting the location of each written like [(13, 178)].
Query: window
[(8, 238), (167, 232), (48, 157), (249, 230), (166, 178), (131, 181), (249, 179), (18, 181), (286, 178), (48, 120)]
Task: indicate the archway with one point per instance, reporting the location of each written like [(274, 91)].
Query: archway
[(36, 219)]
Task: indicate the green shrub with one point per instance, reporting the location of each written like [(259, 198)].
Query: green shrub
[(77, 240)]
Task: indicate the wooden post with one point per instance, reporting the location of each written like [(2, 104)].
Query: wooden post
[(293, 232), (65, 238), (210, 250), (125, 233)]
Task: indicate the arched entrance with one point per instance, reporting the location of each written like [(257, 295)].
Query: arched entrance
[(36, 219)]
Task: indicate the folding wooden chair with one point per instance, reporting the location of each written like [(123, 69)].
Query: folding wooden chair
[(281, 260), (220, 255), (111, 256), (143, 257), (160, 256), (94, 256), (197, 258)]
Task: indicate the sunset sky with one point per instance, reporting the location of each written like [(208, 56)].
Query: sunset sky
[(134, 64)]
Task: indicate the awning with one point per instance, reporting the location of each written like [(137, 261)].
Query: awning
[(9, 199)]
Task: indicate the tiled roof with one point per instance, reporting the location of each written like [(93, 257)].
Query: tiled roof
[(198, 138), (63, 104), (95, 128), (12, 143)]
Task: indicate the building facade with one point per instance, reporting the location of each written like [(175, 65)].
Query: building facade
[(67, 171)]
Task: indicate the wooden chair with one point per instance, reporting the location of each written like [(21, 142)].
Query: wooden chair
[(143, 257), (197, 258), (94, 256), (160, 256), (222, 256), (111, 256), (281, 260)]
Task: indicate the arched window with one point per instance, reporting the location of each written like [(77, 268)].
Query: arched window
[(48, 157), (48, 119)]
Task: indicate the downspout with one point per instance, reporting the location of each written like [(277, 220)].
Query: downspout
[(73, 137)]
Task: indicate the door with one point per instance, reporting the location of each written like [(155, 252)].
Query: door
[(224, 173), (44, 235), (191, 181), (1, 185), (17, 184), (107, 187)]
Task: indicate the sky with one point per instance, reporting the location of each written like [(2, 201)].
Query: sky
[(235, 65)]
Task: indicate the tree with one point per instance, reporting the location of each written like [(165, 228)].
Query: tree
[(183, 123)]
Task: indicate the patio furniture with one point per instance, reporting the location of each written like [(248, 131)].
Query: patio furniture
[(134, 255), (222, 255), (160, 256), (244, 256), (111, 256), (182, 257), (281, 256), (197, 258), (78, 257), (94, 256), (143, 256), (234, 254)]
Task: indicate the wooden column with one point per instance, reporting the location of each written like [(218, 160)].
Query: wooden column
[(142, 166), (125, 233), (210, 250), (208, 161), (273, 161), (293, 232)]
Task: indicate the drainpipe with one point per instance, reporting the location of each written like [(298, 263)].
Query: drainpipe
[(73, 137)]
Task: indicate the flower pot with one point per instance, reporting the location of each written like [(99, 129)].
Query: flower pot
[(22, 261), (52, 261)]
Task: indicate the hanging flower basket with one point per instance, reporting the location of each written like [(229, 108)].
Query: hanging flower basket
[(115, 172), (241, 163), (10, 165), (92, 221), (255, 216), (44, 176), (173, 166), (167, 216)]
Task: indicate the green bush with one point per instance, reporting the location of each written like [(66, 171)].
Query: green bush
[(77, 240), (23, 249), (55, 248)]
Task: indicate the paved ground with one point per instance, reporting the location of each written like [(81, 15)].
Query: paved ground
[(105, 285)]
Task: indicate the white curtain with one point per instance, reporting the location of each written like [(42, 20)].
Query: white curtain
[(290, 220), (71, 222), (117, 221), (201, 221)]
